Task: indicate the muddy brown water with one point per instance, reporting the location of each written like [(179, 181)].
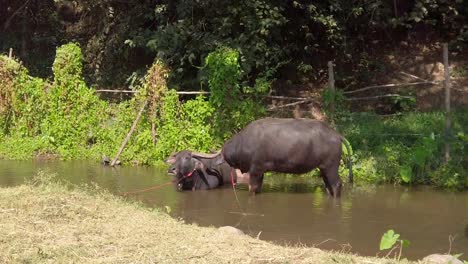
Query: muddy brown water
[(291, 210)]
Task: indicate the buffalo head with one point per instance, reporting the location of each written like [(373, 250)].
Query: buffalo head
[(182, 164), (186, 165)]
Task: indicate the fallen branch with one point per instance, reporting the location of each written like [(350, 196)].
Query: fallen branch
[(131, 91), (127, 138), (419, 78), (115, 91), (193, 92), (286, 97), (291, 104), (386, 86), (379, 96)]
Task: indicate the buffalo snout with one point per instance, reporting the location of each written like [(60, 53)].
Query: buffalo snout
[(172, 170)]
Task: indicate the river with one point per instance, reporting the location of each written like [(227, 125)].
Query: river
[(291, 210)]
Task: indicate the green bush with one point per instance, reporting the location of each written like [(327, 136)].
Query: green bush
[(233, 110), (184, 126), (74, 110), (21, 99), (169, 127), (407, 149)]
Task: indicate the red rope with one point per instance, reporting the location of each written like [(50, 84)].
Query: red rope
[(233, 171), (147, 189), (157, 186)]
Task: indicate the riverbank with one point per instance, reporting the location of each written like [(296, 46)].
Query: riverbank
[(46, 221), (404, 148)]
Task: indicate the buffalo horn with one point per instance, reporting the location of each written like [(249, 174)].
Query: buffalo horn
[(206, 155)]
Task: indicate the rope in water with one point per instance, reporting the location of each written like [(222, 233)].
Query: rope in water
[(235, 192), (147, 189)]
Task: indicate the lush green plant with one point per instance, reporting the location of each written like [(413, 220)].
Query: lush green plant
[(389, 239), (224, 72), (68, 119), (334, 104), (268, 34), (74, 111), (197, 129), (184, 126), (416, 162), (365, 169), (406, 148), (404, 103), (233, 110), (453, 174), (21, 99), (22, 147)]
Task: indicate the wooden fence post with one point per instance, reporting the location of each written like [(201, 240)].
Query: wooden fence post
[(331, 85), (10, 54), (447, 87)]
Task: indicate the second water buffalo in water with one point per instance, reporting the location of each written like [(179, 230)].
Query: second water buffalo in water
[(199, 171), (288, 146)]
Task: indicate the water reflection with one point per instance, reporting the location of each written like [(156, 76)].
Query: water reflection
[(290, 210)]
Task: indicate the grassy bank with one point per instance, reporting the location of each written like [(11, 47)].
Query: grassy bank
[(45, 221)]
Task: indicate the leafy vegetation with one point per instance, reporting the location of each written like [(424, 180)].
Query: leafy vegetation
[(66, 118), (121, 38), (234, 111), (234, 50), (389, 239), (406, 148)]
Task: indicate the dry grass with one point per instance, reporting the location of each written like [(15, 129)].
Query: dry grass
[(46, 222)]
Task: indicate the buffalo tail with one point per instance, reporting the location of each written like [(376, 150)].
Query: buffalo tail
[(350, 162)]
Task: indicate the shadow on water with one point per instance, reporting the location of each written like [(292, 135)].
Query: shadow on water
[(290, 210)]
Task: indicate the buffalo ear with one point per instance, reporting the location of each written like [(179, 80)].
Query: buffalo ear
[(201, 168), (172, 158), (219, 160)]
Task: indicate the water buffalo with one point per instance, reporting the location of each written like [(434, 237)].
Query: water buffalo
[(199, 171), (288, 146)]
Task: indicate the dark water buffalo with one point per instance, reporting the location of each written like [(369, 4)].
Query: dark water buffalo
[(199, 171), (288, 146)]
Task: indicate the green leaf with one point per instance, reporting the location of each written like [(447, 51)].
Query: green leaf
[(405, 243), (420, 156), (405, 173), (388, 239)]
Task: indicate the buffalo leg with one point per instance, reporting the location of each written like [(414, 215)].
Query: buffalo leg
[(323, 174), (255, 182), (195, 183), (332, 180)]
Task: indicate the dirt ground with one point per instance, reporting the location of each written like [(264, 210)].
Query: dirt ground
[(408, 63)]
